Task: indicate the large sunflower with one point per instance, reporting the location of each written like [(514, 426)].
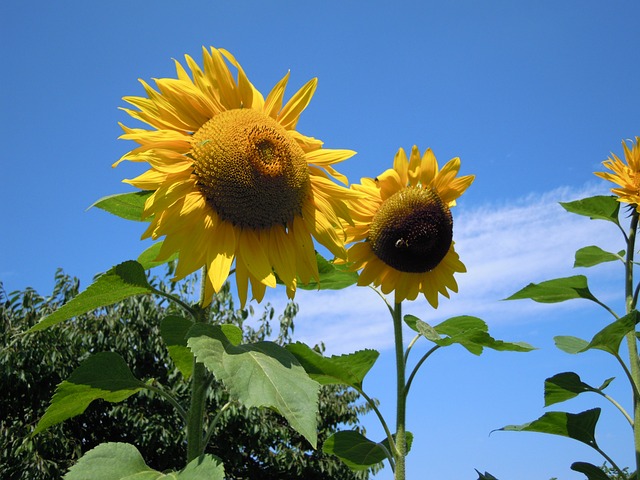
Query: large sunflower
[(404, 227), (626, 174), (233, 180)]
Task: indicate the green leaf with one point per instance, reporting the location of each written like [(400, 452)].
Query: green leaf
[(427, 331), (472, 334), (570, 344), (332, 276), (411, 321), (565, 386), (104, 376), (607, 339), (122, 281), (148, 258), (557, 290), (261, 374), (590, 256), (408, 438), (601, 207), (125, 205), (579, 426), (347, 369), (610, 337), (354, 449), (122, 461), (173, 330), (591, 471)]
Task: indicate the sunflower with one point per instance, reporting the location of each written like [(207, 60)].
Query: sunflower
[(627, 175), (234, 184), (404, 229)]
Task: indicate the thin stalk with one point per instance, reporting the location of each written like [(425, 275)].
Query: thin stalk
[(174, 299), (409, 347), (613, 464), (392, 443), (213, 424), (199, 387), (172, 400), (418, 365), (631, 336), (617, 405), (401, 440)]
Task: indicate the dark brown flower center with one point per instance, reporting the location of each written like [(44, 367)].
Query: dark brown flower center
[(251, 171), (412, 231)]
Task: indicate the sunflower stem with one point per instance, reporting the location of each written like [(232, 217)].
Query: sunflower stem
[(400, 451), (199, 387), (632, 344)]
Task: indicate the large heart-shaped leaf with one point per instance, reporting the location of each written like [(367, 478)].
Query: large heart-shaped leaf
[(122, 281), (261, 374), (122, 461), (347, 369), (354, 449), (104, 376)]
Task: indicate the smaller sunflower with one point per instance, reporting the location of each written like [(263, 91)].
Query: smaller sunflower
[(404, 229), (627, 175)]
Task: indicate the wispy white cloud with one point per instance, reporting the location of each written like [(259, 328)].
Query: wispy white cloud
[(504, 246)]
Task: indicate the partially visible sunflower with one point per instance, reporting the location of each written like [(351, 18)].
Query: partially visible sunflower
[(404, 227), (233, 180), (627, 175)]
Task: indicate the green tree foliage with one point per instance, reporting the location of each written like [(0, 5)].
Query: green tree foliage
[(255, 443)]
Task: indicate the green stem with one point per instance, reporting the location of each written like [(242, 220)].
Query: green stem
[(213, 424), (617, 405), (401, 440), (199, 387), (418, 365), (631, 336), (172, 400), (374, 407)]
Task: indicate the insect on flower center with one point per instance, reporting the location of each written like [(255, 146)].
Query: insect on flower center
[(250, 170), (412, 231)]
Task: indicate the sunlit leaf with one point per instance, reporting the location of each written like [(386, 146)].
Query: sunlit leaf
[(122, 461), (557, 290), (592, 255), (607, 339), (261, 374), (591, 471), (579, 426), (349, 369), (570, 344), (473, 334), (103, 376), (601, 207), (427, 331), (354, 449), (567, 385), (125, 205), (122, 281), (332, 276), (173, 330)]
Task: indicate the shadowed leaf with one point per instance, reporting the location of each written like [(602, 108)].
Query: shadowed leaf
[(591, 471), (354, 449), (579, 426), (567, 385), (347, 369), (103, 376), (173, 330)]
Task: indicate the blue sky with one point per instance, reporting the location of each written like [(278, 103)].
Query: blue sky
[(531, 95)]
